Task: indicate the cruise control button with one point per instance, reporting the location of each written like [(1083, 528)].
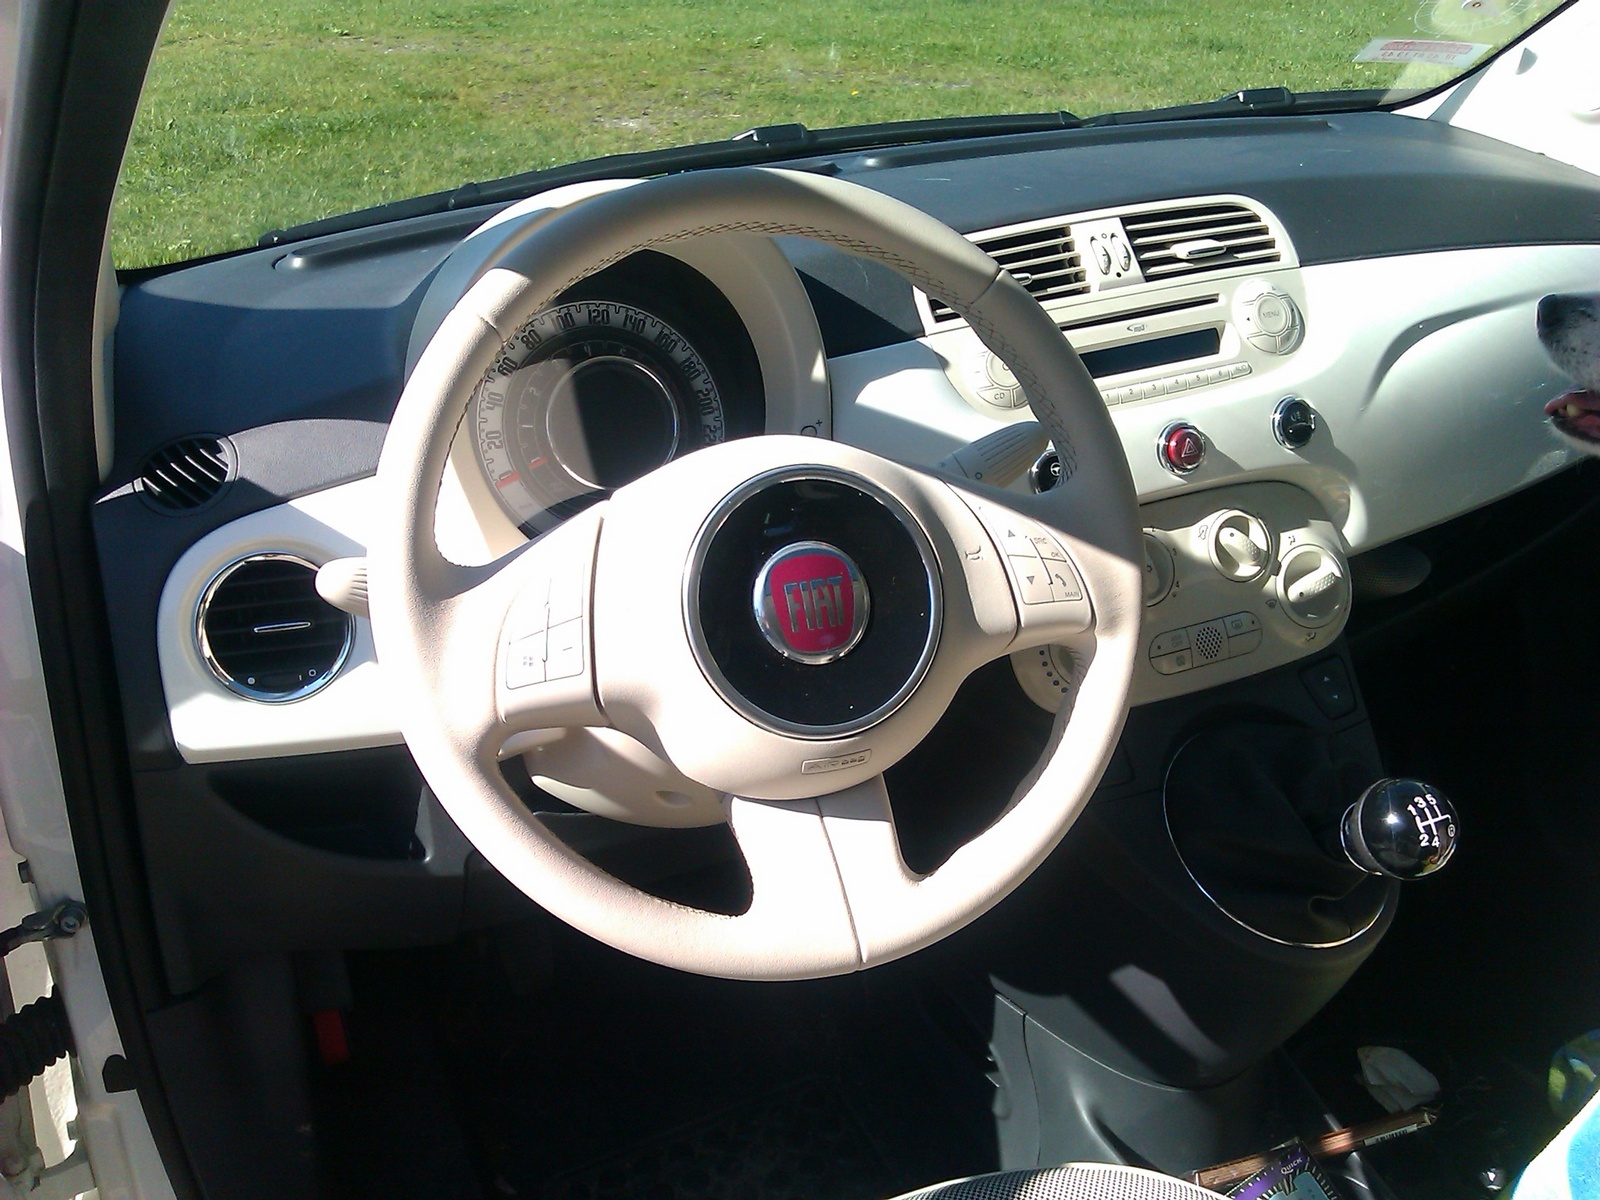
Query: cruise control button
[(525, 661), (1171, 664), (1033, 582), (1169, 643), (564, 658)]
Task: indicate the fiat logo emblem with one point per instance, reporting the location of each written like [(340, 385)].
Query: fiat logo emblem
[(811, 602)]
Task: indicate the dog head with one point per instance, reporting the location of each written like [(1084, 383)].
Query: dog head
[(1569, 329)]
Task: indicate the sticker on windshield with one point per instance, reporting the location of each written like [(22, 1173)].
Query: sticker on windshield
[(1422, 50)]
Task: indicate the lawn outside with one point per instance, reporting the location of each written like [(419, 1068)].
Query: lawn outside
[(260, 115)]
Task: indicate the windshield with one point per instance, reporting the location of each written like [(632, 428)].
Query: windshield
[(258, 116)]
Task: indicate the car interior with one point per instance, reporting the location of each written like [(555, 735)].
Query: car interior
[(452, 823)]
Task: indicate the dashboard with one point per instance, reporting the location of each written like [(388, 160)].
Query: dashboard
[(1315, 336)]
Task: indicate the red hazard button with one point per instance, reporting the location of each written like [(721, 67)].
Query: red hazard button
[(1182, 448)]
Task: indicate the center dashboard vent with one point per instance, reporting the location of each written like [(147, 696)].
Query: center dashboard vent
[(266, 634), (1044, 261), (1172, 243)]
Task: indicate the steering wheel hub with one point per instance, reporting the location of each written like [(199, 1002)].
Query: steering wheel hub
[(786, 626)]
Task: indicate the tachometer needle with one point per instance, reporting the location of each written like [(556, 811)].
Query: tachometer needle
[(538, 462), (506, 480)]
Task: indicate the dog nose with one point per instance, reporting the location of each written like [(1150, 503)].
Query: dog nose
[(1553, 312), (1562, 312)]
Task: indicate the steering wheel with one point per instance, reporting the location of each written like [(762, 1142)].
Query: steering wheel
[(780, 618)]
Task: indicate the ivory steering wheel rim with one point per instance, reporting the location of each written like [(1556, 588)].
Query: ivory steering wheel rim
[(831, 893)]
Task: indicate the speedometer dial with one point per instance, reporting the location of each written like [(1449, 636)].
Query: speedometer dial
[(589, 396)]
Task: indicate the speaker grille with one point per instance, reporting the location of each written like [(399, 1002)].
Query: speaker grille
[(266, 634)]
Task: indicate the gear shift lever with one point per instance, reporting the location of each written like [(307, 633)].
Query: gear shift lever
[(1402, 828)]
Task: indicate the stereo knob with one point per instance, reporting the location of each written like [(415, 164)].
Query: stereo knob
[(1181, 448), (1268, 317)]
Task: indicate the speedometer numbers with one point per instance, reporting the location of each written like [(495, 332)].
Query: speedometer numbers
[(587, 397)]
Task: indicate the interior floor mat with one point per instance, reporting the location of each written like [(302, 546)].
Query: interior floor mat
[(803, 1142)]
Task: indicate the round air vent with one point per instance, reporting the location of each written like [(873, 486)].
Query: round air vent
[(266, 634), (186, 474)]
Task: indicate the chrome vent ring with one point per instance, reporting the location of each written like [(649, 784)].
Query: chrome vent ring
[(263, 631)]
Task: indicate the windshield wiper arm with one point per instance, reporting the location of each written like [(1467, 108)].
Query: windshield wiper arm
[(1251, 102), (764, 144)]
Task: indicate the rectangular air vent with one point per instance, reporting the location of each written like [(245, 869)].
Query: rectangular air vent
[(1044, 261), (1172, 243)]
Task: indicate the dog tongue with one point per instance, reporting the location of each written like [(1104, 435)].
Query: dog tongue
[(1584, 401), (1579, 411)]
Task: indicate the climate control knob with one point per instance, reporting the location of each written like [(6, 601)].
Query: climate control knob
[(1312, 586), (1241, 549)]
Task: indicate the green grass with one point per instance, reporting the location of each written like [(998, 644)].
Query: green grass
[(263, 115)]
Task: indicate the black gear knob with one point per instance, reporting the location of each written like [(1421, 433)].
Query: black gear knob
[(1402, 828)]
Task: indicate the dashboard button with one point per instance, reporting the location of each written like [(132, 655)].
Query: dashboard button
[(1169, 643), (1240, 623), (1172, 664), (1159, 570), (1294, 422), (1033, 581), (1329, 685), (1243, 643), (1102, 255), (1181, 448)]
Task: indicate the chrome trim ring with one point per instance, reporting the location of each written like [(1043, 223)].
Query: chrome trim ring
[(238, 687), (1166, 821), (702, 650)]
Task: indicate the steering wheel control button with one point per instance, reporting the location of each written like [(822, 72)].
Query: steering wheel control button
[(1294, 422), (564, 652), (1032, 580), (1181, 448), (1240, 547), (525, 661), (811, 603), (1159, 570)]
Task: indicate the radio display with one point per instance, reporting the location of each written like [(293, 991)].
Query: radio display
[(1153, 352)]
